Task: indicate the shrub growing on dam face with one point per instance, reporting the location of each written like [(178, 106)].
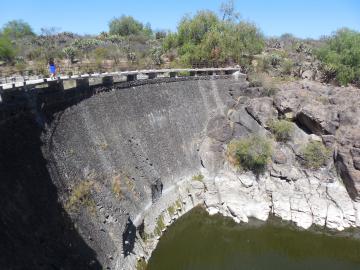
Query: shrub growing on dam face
[(81, 196), (315, 155), (281, 129), (251, 153)]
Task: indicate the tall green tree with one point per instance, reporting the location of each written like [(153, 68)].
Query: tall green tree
[(17, 29), (193, 29), (204, 37), (125, 26)]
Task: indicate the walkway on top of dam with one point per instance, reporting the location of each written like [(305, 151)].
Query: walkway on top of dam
[(113, 77)]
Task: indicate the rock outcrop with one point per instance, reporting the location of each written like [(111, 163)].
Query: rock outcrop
[(332, 113)]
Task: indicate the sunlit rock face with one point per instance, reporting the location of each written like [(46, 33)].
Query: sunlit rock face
[(127, 162)]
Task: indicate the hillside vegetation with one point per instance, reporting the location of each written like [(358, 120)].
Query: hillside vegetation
[(206, 39)]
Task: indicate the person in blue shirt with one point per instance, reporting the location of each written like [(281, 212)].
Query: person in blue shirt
[(52, 68)]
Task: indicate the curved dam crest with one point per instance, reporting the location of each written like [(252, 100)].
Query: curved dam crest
[(122, 165)]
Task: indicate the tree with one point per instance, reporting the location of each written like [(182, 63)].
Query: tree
[(205, 37), (340, 56), (243, 40), (193, 30), (7, 51), (125, 26), (17, 29), (147, 30), (228, 11)]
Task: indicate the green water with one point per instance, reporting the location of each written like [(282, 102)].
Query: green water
[(200, 242)]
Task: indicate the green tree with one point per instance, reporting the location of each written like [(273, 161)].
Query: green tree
[(193, 30), (7, 51), (242, 40), (17, 29), (341, 56), (205, 37), (125, 26)]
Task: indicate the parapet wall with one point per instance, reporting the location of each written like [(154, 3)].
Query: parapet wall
[(51, 95)]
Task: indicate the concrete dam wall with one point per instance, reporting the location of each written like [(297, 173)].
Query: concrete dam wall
[(143, 139), (91, 176)]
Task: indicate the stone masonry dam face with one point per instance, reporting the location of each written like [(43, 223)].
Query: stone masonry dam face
[(90, 177), (143, 139)]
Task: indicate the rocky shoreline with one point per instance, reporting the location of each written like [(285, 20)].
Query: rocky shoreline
[(305, 202)]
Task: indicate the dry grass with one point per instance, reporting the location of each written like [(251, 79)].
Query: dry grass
[(116, 187), (264, 80), (141, 264), (80, 196), (160, 225), (103, 145)]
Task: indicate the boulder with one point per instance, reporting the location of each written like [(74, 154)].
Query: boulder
[(279, 157), (307, 74), (318, 120), (262, 110), (355, 153), (244, 122)]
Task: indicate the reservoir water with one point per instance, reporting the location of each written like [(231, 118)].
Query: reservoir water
[(198, 241)]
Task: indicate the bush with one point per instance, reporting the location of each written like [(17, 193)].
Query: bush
[(315, 155), (70, 53), (275, 60), (251, 153), (155, 54), (341, 56), (282, 130), (7, 51), (126, 26), (198, 177), (81, 196), (86, 45), (265, 81), (287, 67)]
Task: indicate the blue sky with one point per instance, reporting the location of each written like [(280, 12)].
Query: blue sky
[(303, 18)]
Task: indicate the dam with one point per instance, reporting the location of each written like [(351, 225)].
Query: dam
[(94, 169)]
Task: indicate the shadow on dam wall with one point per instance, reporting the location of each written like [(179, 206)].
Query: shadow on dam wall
[(35, 231)]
